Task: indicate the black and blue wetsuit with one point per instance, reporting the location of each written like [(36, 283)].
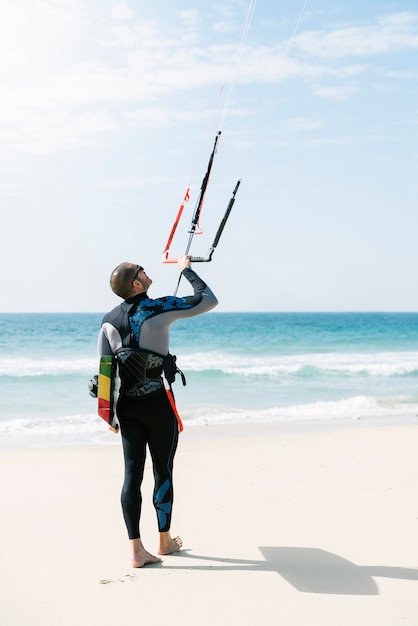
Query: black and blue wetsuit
[(145, 414)]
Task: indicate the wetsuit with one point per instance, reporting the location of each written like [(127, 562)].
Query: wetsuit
[(144, 412)]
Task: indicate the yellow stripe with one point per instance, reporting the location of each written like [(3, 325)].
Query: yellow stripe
[(104, 387)]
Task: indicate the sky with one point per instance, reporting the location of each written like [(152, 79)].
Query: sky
[(108, 113)]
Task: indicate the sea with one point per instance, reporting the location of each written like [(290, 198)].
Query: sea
[(241, 368)]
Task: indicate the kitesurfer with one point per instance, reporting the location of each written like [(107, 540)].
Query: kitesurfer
[(137, 333)]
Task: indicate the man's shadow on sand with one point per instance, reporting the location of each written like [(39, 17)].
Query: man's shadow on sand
[(311, 570)]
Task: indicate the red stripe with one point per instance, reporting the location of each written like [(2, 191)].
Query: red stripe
[(173, 406)]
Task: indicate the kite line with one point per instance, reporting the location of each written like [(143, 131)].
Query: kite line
[(195, 228), (195, 223)]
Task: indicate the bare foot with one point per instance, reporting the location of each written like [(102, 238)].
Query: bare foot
[(140, 556), (168, 544), (144, 559)]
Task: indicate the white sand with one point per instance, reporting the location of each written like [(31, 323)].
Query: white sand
[(292, 529)]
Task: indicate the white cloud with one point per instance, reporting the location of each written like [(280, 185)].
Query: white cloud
[(121, 11), (129, 182), (353, 140), (148, 117), (48, 134), (305, 123), (190, 19), (391, 33), (403, 74), (52, 91), (336, 92)]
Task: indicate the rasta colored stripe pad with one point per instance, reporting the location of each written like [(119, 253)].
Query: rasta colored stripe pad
[(104, 394)]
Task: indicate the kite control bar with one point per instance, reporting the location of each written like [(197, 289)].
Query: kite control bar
[(196, 215), (208, 257), (197, 211)]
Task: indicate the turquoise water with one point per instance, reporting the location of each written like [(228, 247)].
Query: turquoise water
[(240, 367)]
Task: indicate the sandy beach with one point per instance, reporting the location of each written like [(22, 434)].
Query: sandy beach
[(280, 526)]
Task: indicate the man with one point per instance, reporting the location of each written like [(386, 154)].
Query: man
[(137, 333)]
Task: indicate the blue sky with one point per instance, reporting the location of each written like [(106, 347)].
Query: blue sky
[(109, 110)]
